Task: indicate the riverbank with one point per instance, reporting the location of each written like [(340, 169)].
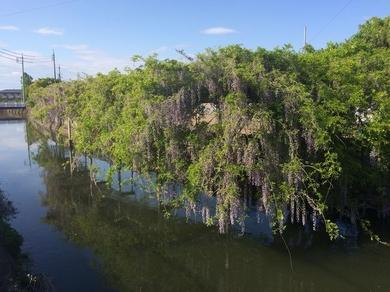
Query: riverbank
[(6, 269), (297, 237), (86, 238), (14, 271), (10, 247), (289, 130)]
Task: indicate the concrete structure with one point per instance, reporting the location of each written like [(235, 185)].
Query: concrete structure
[(11, 104), (10, 94)]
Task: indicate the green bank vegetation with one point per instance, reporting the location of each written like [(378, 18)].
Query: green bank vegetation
[(15, 267), (307, 134), (131, 239)]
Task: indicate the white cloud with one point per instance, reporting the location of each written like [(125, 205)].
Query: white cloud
[(73, 59), (160, 50), (218, 30), (13, 140), (48, 31), (81, 51), (73, 47), (90, 61), (9, 27)]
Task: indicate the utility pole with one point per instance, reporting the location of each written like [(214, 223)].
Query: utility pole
[(305, 36), (23, 83), (54, 65), (59, 72)]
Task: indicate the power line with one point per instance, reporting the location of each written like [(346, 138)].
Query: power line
[(17, 54), (37, 8), (36, 61), (28, 60), (331, 20), (11, 55), (9, 58), (18, 58), (6, 51)]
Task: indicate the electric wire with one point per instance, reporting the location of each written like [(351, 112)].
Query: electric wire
[(18, 59), (331, 20), (37, 8), (19, 56), (9, 58), (26, 56)]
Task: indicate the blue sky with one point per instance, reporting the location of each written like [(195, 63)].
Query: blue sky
[(91, 36)]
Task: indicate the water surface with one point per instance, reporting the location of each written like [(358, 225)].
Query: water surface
[(86, 238)]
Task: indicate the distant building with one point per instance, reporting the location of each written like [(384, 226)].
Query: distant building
[(10, 94)]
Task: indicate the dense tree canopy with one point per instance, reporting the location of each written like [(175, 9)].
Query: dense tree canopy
[(307, 134)]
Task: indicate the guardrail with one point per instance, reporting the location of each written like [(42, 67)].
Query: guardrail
[(12, 105)]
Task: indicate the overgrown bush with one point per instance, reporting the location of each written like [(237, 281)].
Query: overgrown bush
[(307, 134)]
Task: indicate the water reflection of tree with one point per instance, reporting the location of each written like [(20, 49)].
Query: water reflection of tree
[(35, 136), (139, 249)]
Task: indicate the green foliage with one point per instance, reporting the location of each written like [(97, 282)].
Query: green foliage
[(332, 229), (27, 80), (305, 131), (10, 239)]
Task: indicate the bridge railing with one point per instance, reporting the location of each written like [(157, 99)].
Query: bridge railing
[(9, 105)]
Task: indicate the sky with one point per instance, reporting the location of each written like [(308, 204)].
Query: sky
[(90, 36)]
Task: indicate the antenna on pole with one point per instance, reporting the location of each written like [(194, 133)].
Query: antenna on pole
[(54, 65), (59, 72), (305, 36)]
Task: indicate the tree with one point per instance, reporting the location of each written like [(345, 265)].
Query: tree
[(292, 130), (26, 80)]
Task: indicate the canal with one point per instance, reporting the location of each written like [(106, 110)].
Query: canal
[(88, 237)]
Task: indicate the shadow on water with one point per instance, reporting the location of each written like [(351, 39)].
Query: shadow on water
[(141, 250), (137, 249)]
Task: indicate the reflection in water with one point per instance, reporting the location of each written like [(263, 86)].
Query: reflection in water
[(137, 249)]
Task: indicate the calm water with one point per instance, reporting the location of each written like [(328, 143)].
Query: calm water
[(85, 238)]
